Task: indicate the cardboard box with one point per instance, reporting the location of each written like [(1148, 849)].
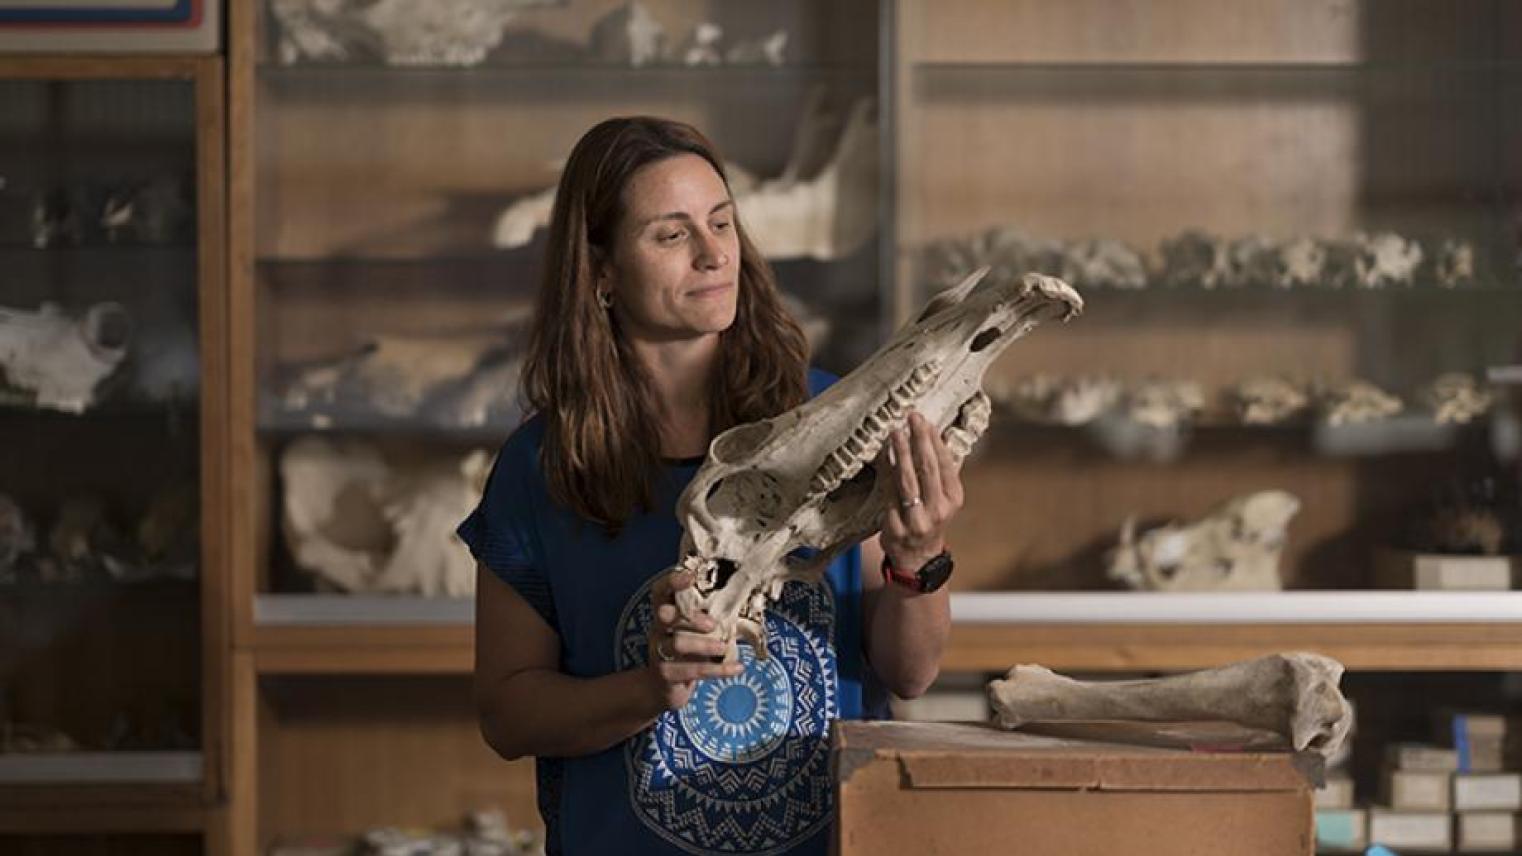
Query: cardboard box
[(1487, 791), (1421, 756), (1341, 830), (937, 787), (1416, 790), (1336, 793), (1486, 832), (1420, 831), (1399, 569)]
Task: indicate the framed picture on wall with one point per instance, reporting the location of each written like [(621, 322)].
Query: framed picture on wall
[(110, 26)]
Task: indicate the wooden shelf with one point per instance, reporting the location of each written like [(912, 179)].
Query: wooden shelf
[(100, 820), (307, 634), (1077, 631), (1110, 631), (1170, 647), (91, 768), (99, 808)]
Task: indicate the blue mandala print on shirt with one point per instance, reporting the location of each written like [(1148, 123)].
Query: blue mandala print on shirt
[(744, 766)]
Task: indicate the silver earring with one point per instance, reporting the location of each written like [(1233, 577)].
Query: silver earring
[(604, 299)]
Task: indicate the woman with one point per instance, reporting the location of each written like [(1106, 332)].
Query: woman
[(659, 325)]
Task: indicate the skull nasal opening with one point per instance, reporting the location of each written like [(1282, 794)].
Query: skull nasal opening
[(985, 338)]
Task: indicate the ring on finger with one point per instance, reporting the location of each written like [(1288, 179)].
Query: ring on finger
[(911, 502), (660, 651)]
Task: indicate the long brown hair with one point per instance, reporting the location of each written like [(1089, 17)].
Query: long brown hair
[(601, 450)]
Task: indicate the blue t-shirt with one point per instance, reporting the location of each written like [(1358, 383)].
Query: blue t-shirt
[(744, 766)]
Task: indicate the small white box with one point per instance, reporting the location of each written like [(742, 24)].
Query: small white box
[(1417, 830), (1417, 790), (1487, 791), (1486, 832), (1336, 793), (1422, 756)]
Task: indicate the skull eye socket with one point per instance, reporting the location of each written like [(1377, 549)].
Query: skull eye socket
[(740, 441), (747, 495), (985, 338)]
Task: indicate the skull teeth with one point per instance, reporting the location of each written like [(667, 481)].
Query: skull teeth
[(863, 444)]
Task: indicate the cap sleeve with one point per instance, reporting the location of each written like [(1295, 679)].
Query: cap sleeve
[(499, 532)]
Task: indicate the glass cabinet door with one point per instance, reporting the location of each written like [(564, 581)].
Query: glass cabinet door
[(101, 426), (403, 173), (1296, 229)]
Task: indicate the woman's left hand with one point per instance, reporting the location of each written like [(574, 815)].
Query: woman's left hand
[(927, 494)]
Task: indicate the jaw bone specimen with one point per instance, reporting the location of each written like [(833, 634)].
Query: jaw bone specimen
[(1294, 695), (778, 499)]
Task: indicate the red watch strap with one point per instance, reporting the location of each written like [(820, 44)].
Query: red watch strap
[(892, 574)]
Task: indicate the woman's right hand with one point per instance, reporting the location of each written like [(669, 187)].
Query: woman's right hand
[(679, 654)]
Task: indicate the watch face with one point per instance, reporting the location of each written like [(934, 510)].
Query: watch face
[(935, 573)]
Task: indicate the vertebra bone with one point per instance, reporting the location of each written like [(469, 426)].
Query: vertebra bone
[(1294, 695), (778, 499)]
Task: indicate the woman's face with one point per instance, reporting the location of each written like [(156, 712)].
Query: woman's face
[(676, 254)]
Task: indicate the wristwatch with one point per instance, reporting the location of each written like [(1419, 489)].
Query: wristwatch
[(931, 575)]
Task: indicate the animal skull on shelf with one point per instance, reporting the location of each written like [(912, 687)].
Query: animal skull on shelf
[(778, 499), (1235, 547)]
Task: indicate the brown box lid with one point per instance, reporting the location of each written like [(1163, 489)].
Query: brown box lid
[(980, 755)]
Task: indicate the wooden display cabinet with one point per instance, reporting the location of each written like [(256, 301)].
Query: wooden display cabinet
[(364, 200), (1125, 121), (129, 662), (362, 204)]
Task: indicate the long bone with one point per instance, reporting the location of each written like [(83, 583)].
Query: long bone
[(1294, 695), (777, 499)]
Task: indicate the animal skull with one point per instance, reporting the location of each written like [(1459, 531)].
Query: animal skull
[(778, 499), (1294, 695), (1235, 547)]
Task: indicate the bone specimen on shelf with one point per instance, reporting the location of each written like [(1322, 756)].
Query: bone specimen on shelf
[(82, 540), (1464, 528), (1103, 263), (1454, 263), (1195, 258), (1235, 547), (812, 477), (1456, 398), (1061, 400), (391, 374), (825, 215), (629, 35), (398, 32), (61, 359), (1341, 266), (1386, 259), (701, 46), (518, 222), (166, 533), (1356, 401), (488, 395), (25, 737), (822, 206), (1163, 402), (1294, 695), (1269, 400), (1254, 261), (362, 522), (1301, 263), (1007, 252), (768, 50), (18, 536)]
